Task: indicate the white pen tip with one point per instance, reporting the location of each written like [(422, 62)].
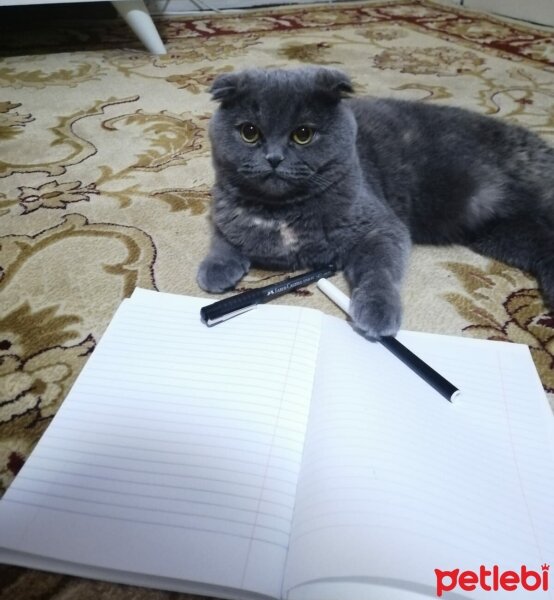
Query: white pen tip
[(336, 295)]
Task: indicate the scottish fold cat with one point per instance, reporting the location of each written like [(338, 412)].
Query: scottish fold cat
[(306, 175)]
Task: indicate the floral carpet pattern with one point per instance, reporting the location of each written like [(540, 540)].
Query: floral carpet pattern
[(105, 179)]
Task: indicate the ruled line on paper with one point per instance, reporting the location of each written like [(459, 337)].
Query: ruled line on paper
[(192, 419), (272, 323), (251, 407), (161, 485), (159, 451), (190, 468), (214, 437), (209, 385), (187, 399), (215, 428), (186, 444), (171, 341), (212, 480), (185, 394), (158, 509), (253, 359), (275, 375), (145, 522), (195, 495), (153, 461), (198, 401)]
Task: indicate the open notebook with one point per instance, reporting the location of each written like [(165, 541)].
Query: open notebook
[(280, 455)]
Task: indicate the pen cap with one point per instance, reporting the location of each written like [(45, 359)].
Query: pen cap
[(217, 311)]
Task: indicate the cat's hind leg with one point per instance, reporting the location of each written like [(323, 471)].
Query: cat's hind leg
[(525, 241)]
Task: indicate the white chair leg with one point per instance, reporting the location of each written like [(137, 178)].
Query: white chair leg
[(139, 20)]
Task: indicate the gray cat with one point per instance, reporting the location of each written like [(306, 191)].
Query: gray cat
[(306, 176)]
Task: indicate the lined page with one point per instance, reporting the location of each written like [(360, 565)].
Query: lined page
[(396, 481), (177, 452)]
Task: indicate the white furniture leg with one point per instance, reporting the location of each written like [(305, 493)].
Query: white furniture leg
[(139, 20)]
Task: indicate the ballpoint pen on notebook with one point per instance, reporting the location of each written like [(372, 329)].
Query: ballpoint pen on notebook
[(235, 305), (222, 310), (428, 374)]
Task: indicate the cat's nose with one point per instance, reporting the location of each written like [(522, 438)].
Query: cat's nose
[(274, 159)]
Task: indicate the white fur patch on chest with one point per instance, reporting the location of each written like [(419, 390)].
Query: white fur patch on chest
[(265, 223), (289, 237)]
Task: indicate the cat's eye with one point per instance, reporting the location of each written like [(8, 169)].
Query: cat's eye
[(302, 135), (249, 133)]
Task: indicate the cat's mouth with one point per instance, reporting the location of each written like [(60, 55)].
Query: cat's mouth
[(275, 175), (278, 175), (274, 186), (265, 177), (283, 172), (262, 174)]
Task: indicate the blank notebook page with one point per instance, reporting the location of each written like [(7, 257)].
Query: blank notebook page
[(176, 453), (396, 481)]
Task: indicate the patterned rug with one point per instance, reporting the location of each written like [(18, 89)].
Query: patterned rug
[(105, 176)]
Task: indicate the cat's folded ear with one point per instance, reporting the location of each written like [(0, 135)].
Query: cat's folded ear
[(225, 87), (333, 85)]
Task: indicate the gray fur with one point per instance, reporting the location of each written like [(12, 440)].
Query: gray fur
[(378, 174)]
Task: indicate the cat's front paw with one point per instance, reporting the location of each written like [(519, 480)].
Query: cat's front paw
[(376, 313), (218, 275)]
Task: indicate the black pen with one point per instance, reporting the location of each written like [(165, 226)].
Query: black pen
[(427, 373), (235, 305), (436, 380)]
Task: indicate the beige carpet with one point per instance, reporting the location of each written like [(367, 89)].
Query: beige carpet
[(105, 176)]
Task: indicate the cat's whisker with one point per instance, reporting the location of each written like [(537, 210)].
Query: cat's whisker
[(321, 182)]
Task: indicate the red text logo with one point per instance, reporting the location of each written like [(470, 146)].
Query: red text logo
[(492, 580)]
